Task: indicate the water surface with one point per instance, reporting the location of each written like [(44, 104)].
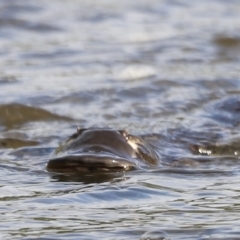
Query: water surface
[(168, 70)]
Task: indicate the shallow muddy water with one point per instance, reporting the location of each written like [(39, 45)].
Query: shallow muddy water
[(166, 70)]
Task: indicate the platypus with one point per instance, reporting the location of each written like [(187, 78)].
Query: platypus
[(97, 149)]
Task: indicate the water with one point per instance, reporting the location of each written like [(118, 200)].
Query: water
[(165, 69)]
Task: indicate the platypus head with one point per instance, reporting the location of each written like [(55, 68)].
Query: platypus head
[(97, 150)]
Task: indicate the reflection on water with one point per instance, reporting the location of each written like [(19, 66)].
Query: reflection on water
[(165, 70)]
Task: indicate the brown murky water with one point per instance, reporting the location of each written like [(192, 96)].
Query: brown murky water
[(169, 70)]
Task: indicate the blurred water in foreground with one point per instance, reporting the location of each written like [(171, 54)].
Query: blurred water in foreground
[(169, 68)]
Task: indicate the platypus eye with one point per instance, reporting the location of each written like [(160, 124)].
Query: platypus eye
[(125, 134), (80, 130)]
